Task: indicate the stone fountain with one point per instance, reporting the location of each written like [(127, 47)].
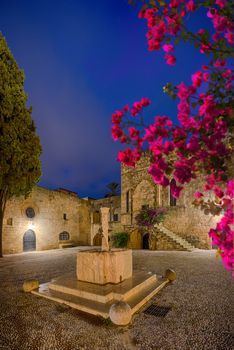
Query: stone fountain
[(102, 266), (104, 284)]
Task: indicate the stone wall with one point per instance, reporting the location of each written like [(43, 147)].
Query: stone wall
[(191, 224), (140, 188), (115, 225), (84, 215), (55, 212), (62, 211), (183, 219)]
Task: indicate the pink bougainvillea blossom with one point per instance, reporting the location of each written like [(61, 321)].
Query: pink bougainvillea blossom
[(197, 143), (197, 79), (128, 157), (198, 195), (221, 3), (168, 48), (190, 6), (175, 190), (134, 133), (230, 189), (116, 132), (116, 117), (170, 59)]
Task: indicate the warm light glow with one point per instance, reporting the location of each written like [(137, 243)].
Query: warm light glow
[(31, 225)]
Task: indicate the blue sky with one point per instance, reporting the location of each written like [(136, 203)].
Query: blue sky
[(82, 61)]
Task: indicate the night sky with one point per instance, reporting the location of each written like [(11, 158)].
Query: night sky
[(82, 61)]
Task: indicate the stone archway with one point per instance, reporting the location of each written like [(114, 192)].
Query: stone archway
[(135, 239), (97, 240), (145, 241), (29, 241)]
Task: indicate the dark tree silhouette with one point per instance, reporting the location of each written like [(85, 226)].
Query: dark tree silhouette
[(113, 189)]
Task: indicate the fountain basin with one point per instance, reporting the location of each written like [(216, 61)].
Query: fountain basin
[(102, 267)]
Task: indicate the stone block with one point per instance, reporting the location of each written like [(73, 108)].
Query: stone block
[(170, 275), (101, 267), (120, 313), (30, 285)]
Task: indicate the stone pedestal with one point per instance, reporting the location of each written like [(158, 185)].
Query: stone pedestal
[(97, 299), (102, 267)]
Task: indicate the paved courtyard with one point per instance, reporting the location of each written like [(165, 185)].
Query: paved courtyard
[(201, 301)]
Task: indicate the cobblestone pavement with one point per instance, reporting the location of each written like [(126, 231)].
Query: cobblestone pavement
[(201, 299)]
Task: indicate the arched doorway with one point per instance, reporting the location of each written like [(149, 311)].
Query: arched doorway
[(29, 241), (146, 241), (97, 240)]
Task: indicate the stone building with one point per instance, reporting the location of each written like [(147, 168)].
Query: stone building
[(53, 219), (45, 220), (112, 202), (184, 226)]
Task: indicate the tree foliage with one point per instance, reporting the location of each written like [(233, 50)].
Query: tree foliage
[(120, 239), (113, 189), (200, 143), (20, 148)]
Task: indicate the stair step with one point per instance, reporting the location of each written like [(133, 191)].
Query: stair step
[(136, 297), (177, 239)]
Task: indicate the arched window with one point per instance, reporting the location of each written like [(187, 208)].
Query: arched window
[(127, 201), (172, 199), (116, 217), (96, 217), (64, 236), (30, 213)]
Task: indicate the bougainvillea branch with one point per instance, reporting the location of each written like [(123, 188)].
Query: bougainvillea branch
[(148, 217), (200, 144)]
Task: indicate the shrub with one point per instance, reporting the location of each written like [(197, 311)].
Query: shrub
[(148, 217), (120, 239)]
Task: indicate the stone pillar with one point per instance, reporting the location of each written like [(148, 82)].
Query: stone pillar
[(91, 217), (105, 228)]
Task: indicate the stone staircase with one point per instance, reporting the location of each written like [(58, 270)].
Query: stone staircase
[(174, 237)]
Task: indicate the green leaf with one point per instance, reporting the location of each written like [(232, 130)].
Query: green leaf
[(19, 144)]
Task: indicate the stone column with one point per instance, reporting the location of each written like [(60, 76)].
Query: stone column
[(105, 228)]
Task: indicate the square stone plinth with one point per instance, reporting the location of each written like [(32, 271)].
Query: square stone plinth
[(96, 299), (101, 267)]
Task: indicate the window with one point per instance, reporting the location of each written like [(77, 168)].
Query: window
[(172, 199), (64, 216), (96, 217), (116, 217), (127, 201), (30, 213), (10, 221), (64, 236)]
